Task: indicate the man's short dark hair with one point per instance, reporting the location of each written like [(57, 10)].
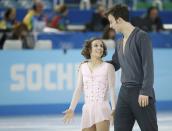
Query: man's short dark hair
[(119, 10)]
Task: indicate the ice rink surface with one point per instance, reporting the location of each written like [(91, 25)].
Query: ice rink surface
[(55, 123)]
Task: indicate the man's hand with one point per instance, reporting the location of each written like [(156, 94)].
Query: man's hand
[(143, 100)]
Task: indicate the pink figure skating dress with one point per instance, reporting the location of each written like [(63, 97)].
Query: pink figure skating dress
[(96, 86)]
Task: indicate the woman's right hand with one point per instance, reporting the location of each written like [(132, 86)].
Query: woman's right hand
[(68, 115)]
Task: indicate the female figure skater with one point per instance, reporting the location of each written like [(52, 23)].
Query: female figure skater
[(95, 79)]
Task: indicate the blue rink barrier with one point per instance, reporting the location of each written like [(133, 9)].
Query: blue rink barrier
[(42, 82), (76, 40)]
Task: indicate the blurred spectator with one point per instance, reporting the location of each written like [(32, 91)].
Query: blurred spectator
[(35, 19), (109, 33), (85, 4), (9, 21), (158, 4), (7, 24), (98, 21), (3, 36), (109, 37), (59, 19), (22, 33), (151, 22)]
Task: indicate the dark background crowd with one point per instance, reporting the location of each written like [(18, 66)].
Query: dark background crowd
[(53, 15)]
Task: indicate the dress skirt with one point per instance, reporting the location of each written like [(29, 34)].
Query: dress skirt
[(93, 113)]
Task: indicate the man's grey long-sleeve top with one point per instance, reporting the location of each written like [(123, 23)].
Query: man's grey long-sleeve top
[(136, 62)]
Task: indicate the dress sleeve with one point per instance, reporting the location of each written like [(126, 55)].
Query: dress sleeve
[(111, 83), (78, 90)]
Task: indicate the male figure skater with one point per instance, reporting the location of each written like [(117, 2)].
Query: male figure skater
[(136, 100)]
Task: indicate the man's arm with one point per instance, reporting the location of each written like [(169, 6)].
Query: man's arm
[(147, 65)]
